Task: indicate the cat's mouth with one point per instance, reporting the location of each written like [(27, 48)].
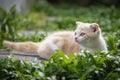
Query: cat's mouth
[(76, 39)]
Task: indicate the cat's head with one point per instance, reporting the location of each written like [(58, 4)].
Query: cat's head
[(86, 31)]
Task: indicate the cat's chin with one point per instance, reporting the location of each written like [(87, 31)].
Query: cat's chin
[(78, 42)]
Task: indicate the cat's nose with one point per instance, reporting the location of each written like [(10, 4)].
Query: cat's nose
[(76, 38)]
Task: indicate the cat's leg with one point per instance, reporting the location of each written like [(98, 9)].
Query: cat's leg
[(28, 47)]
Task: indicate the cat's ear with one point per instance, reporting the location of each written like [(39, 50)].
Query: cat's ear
[(94, 27), (78, 23)]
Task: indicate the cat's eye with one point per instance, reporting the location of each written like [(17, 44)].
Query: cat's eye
[(75, 33), (82, 34)]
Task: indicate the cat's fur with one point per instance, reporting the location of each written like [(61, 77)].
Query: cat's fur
[(86, 35), (63, 41), (89, 36)]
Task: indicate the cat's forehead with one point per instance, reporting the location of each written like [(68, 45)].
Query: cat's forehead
[(83, 26)]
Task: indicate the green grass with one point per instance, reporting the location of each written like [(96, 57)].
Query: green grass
[(107, 17)]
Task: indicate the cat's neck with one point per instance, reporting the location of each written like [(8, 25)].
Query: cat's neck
[(98, 44)]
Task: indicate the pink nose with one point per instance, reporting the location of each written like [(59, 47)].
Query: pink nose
[(76, 38)]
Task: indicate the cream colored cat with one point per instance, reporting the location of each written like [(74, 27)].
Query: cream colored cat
[(86, 35), (89, 36)]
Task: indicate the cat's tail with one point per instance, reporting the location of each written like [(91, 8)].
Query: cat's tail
[(28, 47)]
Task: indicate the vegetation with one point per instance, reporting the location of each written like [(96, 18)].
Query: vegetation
[(99, 66), (7, 24), (85, 2), (47, 17)]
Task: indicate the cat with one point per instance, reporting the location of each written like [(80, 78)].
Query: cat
[(87, 36)]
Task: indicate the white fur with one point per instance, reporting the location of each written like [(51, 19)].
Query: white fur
[(92, 41), (97, 45)]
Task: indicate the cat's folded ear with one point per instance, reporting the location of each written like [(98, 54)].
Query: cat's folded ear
[(78, 23), (94, 27)]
